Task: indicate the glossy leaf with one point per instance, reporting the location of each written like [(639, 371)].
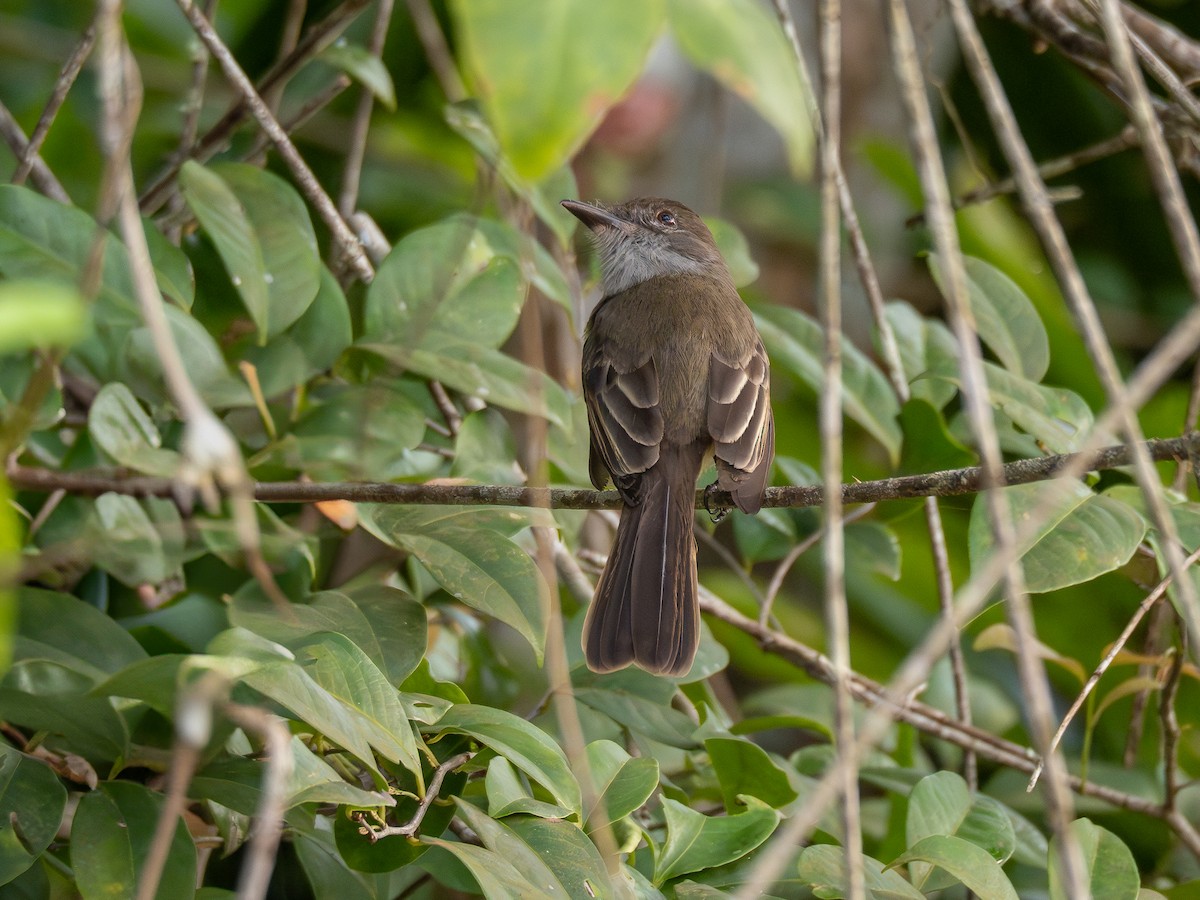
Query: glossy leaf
[(110, 840), (965, 862), (127, 542), (363, 66), (1005, 317), (497, 877), (941, 804), (926, 346), (741, 44), (745, 769), (122, 429), (63, 628), (1110, 869), (1085, 534), (622, 783), (32, 800), (795, 345), (141, 370), (527, 747), (695, 841), (481, 568), (507, 795), (541, 101), (823, 868)]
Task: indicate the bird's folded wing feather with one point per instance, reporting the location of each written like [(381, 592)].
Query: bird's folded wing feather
[(739, 408), (625, 417)]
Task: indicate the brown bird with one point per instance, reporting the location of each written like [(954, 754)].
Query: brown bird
[(673, 369)]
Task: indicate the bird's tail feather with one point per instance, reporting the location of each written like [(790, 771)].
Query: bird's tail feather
[(646, 609)]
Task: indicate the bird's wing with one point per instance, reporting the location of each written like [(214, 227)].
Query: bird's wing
[(740, 423), (625, 418)]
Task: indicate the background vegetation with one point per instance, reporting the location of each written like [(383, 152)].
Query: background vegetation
[(289, 323)]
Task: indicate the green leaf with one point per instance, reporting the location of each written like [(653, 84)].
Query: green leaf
[(926, 346), (641, 715), (745, 769), (696, 841), (63, 628), (477, 566), (524, 745), (795, 343), (1110, 869), (507, 795), (1005, 317), (40, 313), (623, 783), (127, 543), (1084, 535), (32, 801), (498, 879), (823, 867), (543, 102), (339, 666), (111, 838), (941, 804), (873, 547), (171, 266), (311, 345), (10, 551), (928, 444), (140, 367), (364, 67), (284, 234), (121, 428), (741, 44), (965, 862), (49, 697)]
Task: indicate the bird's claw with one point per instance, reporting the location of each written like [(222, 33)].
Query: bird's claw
[(715, 514)]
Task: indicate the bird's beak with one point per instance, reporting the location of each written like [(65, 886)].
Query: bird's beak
[(596, 217)]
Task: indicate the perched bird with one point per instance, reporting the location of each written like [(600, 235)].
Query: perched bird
[(673, 369)]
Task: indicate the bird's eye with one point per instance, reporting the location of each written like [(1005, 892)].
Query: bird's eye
[(666, 217)]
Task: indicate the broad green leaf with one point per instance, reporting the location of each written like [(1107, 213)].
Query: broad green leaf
[(745, 769), (224, 218), (45, 696), (140, 367), (485, 450), (541, 101), (498, 879), (10, 550), (1055, 417), (64, 629), (1111, 872), (127, 542), (507, 795), (941, 804), (400, 625), (311, 344), (1085, 534), (928, 444), (323, 611), (40, 313), (795, 344), (641, 715), (1005, 318), (341, 667), (926, 346), (291, 260), (545, 273), (524, 745), (543, 197), (121, 428), (965, 862), (363, 66), (823, 868), (111, 838), (358, 431), (31, 800), (622, 783), (477, 566), (696, 841), (741, 44), (172, 268), (313, 780)]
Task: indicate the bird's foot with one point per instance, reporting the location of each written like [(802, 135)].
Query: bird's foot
[(715, 514)]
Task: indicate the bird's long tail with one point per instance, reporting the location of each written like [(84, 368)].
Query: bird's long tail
[(646, 609)]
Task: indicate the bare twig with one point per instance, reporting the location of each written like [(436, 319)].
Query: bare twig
[(18, 143), (413, 825), (1170, 732), (1116, 647), (256, 871), (948, 483), (357, 147), (349, 250), (62, 87), (436, 50)]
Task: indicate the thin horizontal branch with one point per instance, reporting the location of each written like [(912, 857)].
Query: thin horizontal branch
[(948, 483)]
